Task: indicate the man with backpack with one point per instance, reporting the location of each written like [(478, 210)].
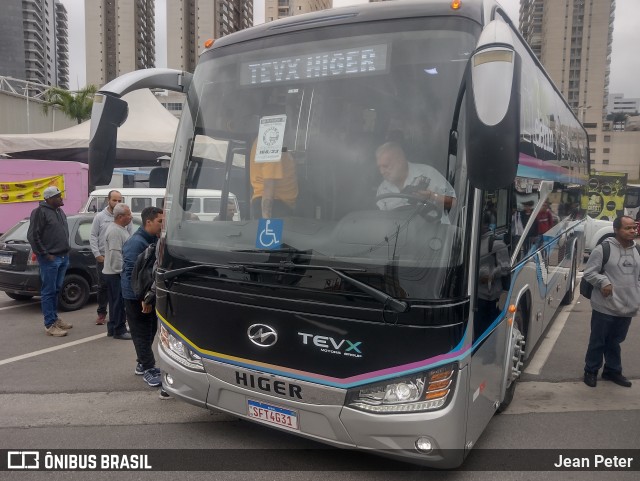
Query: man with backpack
[(141, 315), (615, 299)]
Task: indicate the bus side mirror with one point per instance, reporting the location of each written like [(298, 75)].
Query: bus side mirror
[(108, 113), (493, 117)]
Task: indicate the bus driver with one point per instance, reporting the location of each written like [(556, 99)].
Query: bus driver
[(403, 177)]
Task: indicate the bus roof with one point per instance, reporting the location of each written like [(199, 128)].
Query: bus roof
[(472, 9)]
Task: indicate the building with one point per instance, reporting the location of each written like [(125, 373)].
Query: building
[(34, 42), (62, 46), (275, 9), (618, 104), (120, 38), (573, 40), (191, 22)]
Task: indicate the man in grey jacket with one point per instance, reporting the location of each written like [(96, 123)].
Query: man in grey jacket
[(117, 234), (98, 232), (48, 236), (615, 300)]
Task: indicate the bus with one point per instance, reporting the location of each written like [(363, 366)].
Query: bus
[(399, 330), (632, 200)]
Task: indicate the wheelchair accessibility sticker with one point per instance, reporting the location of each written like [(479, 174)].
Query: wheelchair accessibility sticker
[(269, 234)]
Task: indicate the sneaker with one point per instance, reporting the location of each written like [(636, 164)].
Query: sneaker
[(55, 331), (125, 335), (63, 325), (152, 377), (591, 378), (164, 394), (139, 370), (617, 378), (100, 321)]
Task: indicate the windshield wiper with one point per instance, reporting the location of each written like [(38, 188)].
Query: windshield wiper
[(172, 274), (387, 300), (16, 241)]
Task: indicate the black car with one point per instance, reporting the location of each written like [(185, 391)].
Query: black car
[(20, 275)]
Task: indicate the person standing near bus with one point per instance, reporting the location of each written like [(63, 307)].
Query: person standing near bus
[(101, 221), (117, 234), (140, 314), (615, 300), (48, 236)]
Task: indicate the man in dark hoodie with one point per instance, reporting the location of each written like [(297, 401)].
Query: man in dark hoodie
[(140, 312), (49, 238), (615, 300)]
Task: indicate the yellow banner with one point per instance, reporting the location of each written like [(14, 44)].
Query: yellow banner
[(28, 190)]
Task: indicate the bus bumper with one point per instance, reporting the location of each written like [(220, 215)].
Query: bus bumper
[(327, 420)]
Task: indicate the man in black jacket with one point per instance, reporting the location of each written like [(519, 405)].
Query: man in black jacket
[(49, 238)]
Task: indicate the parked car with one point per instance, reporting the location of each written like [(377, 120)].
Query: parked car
[(19, 271), (595, 231)]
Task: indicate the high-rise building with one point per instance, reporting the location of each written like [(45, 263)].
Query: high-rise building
[(573, 40), (191, 22), (120, 38), (62, 46), (33, 41), (275, 9)]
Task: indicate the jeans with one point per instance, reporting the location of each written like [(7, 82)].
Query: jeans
[(51, 279), (143, 329), (607, 333), (103, 297), (116, 323)]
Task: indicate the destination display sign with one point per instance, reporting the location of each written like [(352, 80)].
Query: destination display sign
[(337, 63)]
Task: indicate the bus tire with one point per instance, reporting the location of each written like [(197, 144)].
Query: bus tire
[(568, 297), (517, 358)]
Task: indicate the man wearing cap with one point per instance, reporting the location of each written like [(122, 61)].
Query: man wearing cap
[(48, 236)]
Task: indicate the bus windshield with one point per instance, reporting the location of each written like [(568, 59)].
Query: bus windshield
[(339, 137)]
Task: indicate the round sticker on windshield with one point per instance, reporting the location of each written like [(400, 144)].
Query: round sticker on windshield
[(270, 136)]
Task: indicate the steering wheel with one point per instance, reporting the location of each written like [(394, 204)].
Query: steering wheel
[(429, 209)]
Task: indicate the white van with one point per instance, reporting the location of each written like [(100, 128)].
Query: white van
[(203, 203)]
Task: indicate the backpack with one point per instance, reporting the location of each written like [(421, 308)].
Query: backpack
[(586, 288), (142, 274)]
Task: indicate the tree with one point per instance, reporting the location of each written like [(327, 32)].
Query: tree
[(75, 105)]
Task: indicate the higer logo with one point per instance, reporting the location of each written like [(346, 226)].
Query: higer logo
[(343, 347)]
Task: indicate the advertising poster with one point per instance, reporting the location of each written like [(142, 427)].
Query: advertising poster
[(604, 196), (28, 190)]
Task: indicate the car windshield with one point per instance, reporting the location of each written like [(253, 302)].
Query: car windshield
[(350, 125), (18, 233)]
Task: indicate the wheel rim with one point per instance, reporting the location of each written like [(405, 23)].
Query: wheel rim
[(72, 293)]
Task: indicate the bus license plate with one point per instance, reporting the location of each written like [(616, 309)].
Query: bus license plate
[(271, 414), (6, 258)]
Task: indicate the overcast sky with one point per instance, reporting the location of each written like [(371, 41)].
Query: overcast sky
[(625, 61)]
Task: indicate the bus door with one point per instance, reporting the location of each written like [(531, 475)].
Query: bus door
[(492, 283)]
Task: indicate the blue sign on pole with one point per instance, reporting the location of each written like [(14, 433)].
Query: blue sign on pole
[(269, 235)]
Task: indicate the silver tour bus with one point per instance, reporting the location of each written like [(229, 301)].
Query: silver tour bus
[(409, 181)]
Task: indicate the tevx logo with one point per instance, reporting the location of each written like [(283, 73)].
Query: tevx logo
[(344, 347)]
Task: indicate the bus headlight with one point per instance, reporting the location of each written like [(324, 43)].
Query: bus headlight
[(179, 352), (423, 392)]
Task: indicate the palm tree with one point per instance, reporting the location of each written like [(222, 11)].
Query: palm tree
[(75, 105)]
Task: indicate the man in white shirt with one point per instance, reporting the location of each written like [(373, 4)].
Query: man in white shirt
[(403, 177)]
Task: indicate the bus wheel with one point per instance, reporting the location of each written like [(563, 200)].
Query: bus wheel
[(568, 297), (516, 348)]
